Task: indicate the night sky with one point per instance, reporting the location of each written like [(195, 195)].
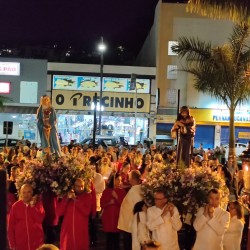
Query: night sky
[(79, 23)]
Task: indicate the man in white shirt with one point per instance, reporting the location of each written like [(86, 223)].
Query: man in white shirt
[(211, 223), (164, 221), (126, 215)]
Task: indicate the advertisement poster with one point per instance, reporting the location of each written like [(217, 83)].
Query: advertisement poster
[(93, 83), (115, 84), (88, 83), (65, 82)]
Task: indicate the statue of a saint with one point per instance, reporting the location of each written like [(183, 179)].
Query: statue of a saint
[(46, 123), (185, 127)]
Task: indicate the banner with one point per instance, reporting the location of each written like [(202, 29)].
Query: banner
[(111, 101), (93, 83)]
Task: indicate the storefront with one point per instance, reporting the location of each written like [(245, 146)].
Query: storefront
[(23, 81), (124, 111)]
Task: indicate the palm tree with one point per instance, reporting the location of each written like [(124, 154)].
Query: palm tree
[(222, 72), (235, 10)]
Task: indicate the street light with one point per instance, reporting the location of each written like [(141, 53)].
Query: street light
[(96, 107), (93, 106), (101, 48)]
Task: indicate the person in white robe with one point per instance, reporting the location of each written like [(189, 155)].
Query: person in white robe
[(99, 184), (140, 232), (126, 215), (164, 221), (233, 235), (211, 223)]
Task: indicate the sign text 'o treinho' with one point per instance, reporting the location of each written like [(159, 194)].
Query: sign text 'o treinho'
[(81, 100)]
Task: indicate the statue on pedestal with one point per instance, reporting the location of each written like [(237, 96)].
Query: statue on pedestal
[(46, 123)]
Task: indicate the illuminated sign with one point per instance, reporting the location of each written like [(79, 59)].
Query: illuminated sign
[(10, 68), (81, 100), (223, 116), (4, 87)]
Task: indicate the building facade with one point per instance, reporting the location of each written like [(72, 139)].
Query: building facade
[(126, 113), (212, 117)]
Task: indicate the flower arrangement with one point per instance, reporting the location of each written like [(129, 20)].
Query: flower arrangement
[(186, 188), (56, 175)]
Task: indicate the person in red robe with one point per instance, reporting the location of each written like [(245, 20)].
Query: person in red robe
[(25, 231), (111, 201), (76, 208)]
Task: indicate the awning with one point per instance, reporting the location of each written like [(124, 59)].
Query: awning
[(18, 110)]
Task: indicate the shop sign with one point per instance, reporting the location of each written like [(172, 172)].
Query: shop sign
[(223, 116), (112, 101), (93, 83), (10, 68), (244, 135)]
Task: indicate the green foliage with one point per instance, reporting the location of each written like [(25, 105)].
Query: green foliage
[(222, 72), (235, 10), (4, 99), (51, 174), (219, 71)]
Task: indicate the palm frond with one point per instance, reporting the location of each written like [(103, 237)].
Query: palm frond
[(238, 41), (236, 10), (223, 71), (239, 35), (244, 58), (193, 48), (206, 80)]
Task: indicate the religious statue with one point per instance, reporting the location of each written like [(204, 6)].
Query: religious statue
[(185, 128), (46, 123)]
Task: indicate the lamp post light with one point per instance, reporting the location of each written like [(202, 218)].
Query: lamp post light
[(96, 107), (101, 48), (94, 125)]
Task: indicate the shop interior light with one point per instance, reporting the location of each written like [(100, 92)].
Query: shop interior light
[(4, 87), (98, 107)]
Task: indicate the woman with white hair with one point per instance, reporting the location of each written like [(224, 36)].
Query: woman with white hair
[(233, 235)]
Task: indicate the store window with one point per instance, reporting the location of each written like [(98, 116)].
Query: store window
[(79, 127), (24, 125), (238, 130), (204, 134)]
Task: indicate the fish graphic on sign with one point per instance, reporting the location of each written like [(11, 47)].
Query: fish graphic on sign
[(88, 84), (64, 82), (140, 85), (113, 85)]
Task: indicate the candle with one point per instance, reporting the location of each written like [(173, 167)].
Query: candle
[(246, 178)]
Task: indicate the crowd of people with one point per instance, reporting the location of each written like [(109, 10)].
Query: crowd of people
[(116, 198)]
